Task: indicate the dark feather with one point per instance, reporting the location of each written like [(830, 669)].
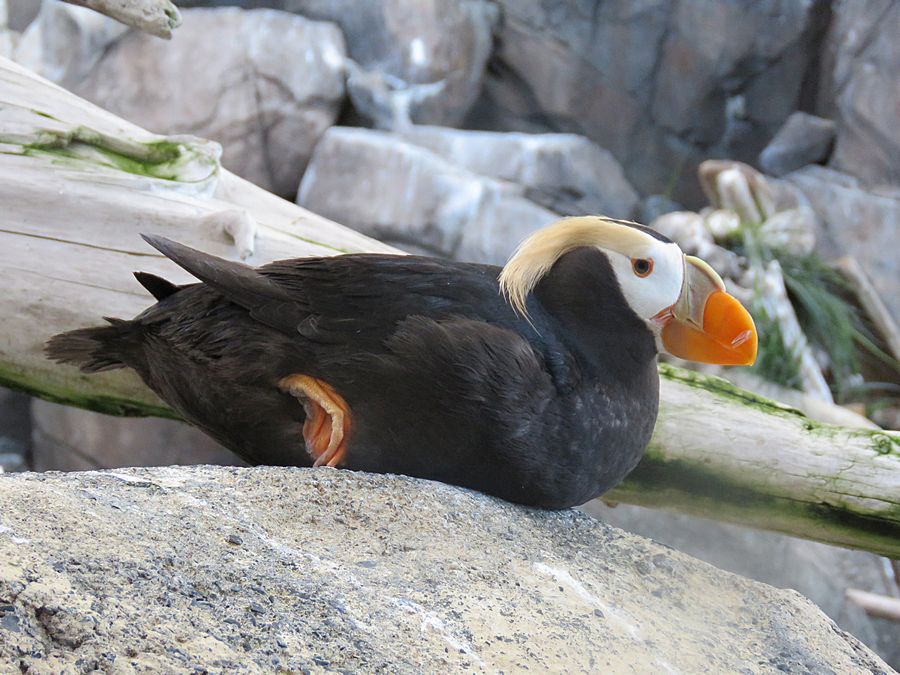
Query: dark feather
[(94, 350), (158, 287), (241, 284)]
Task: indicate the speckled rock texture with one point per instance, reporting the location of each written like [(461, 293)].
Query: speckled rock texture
[(268, 569)]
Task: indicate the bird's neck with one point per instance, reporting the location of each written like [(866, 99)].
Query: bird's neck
[(583, 298)]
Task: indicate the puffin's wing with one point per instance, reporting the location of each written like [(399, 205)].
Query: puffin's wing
[(266, 301), (367, 295), (357, 296), (470, 369)]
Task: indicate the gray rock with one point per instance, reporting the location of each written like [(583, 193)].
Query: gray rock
[(804, 139), (854, 220), (8, 37), (654, 206), (21, 13), (66, 42), (566, 173), (821, 573), (69, 439), (662, 84), (266, 87), (398, 192), (421, 62), (15, 429), (861, 70), (132, 570)]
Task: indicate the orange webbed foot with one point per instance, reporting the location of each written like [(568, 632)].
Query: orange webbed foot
[(327, 418)]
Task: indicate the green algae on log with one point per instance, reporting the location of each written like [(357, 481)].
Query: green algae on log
[(66, 391), (186, 159), (723, 453)]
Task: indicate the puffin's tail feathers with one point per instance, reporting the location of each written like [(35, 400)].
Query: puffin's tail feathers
[(93, 349), (241, 284), (158, 287)]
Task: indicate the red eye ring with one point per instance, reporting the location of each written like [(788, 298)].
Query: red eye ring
[(642, 267)]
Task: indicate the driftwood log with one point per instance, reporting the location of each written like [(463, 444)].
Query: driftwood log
[(78, 185), (878, 606), (157, 17)]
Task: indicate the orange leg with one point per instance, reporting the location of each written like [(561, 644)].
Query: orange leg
[(327, 418)]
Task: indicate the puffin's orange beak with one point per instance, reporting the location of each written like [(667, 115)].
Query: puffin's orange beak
[(707, 324)]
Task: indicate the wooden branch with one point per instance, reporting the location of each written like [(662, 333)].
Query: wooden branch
[(723, 453), (78, 185), (157, 17), (879, 606), (871, 303)]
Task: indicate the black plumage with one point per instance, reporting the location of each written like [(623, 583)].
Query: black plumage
[(443, 378)]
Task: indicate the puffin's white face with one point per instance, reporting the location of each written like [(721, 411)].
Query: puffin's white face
[(681, 298), (651, 277)]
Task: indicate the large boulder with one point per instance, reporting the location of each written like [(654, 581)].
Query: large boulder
[(263, 83), (662, 84), (421, 62), (821, 573), (568, 174), (21, 13), (272, 569), (861, 69), (403, 194), (804, 139), (65, 42)]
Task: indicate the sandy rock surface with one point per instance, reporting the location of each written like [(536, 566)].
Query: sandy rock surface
[(254, 570)]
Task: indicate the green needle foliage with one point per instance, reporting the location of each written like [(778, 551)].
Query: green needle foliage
[(828, 321), (831, 324), (775, 362)]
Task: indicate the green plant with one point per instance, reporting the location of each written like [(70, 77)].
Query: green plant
[(817, 293), (775, 361)]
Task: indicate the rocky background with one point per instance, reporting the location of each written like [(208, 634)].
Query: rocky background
[(456, 128)]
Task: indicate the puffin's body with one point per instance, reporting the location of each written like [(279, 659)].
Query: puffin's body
[(418, 366)]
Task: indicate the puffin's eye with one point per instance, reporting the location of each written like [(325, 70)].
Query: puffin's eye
[(642, 266)]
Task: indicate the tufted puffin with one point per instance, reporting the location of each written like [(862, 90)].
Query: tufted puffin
[(536, 383)]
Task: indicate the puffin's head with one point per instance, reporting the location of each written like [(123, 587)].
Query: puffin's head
[(680, 298)]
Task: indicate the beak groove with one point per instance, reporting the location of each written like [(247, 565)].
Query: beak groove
[(709, 325)]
